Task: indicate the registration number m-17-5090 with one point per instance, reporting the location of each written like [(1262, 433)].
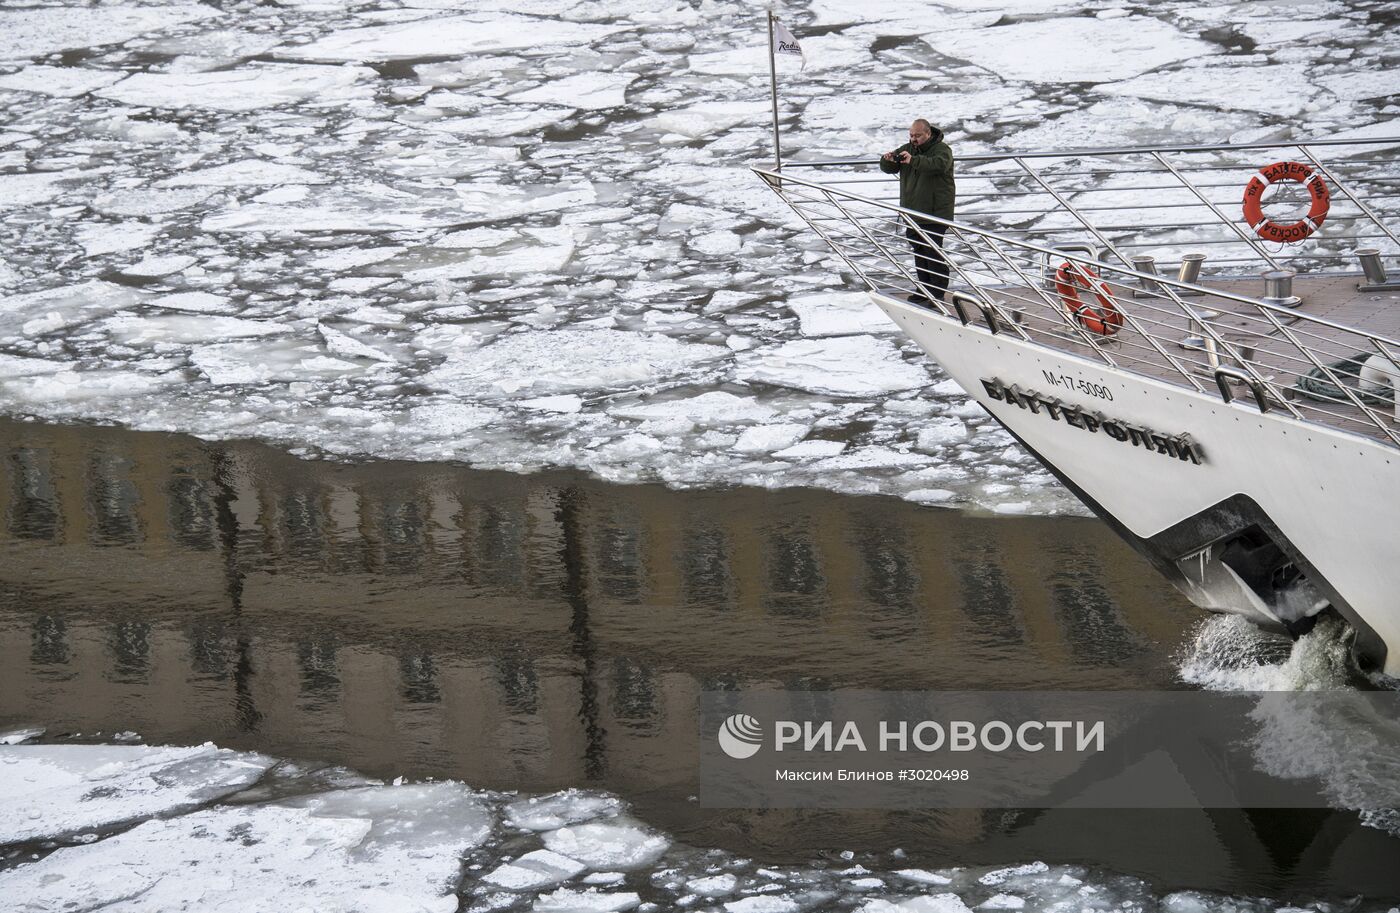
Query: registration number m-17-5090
[(1088, 388)]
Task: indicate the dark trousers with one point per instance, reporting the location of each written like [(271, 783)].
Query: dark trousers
[(929, 263)]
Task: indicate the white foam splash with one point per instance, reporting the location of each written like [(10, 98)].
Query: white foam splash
[(1350, 753), (1230, 653)]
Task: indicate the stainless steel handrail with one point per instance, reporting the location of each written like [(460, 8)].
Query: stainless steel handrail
[(1174, 191), (1118, 150), (1272, 340)]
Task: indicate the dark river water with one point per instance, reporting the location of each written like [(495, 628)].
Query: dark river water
[(535, 632)]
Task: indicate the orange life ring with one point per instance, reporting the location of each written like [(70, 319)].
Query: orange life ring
[(1105, 319), (1286, 171)]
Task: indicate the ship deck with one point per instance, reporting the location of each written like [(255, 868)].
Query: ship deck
[(1336, 299), (1161, 230)]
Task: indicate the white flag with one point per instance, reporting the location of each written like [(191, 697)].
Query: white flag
[(785, 43)]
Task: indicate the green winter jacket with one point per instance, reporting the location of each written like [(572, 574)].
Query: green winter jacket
[(926, 183)]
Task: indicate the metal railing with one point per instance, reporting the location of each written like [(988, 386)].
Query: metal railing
[(1168, 201), (1208, 339)]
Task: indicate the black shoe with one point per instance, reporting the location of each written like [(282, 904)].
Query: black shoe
[(916, 299)]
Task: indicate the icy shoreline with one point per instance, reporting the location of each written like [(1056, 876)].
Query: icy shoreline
[(131, 827)]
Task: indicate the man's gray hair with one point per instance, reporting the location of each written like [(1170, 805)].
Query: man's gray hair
[(925, 124)]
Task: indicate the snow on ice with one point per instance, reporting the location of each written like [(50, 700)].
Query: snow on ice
[(1035, 51), (43, 30), (448, 36), (528, 236), (149, 829), (52, 791), (245, 89)]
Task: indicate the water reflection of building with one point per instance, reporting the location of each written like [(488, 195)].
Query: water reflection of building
[(397, 590), (515, 631)]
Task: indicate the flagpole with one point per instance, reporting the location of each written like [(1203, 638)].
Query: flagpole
[(773, 74)]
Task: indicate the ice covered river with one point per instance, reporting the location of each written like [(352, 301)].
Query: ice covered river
[(523, 235), (526, 652)]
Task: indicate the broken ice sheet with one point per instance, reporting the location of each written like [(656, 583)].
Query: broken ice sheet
[(555, 810), (665, 224), (56, 790), (840, 314), (243, 89), (545, 250), (146, 201), (132, 329), (567, 361), (708, 118), (534, 870), (21, 734), (1034, 51), (822, 53), (240, 363), (395, 849), (61, 81), (592, 91), (98, 238), (1247, 87), (36, 313), (43, 30), (444, 36), (713, 408), (245, 173), (617, 843), (842, 366), (19, 190)]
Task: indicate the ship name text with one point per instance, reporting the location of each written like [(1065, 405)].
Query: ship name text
[(1178, 446)]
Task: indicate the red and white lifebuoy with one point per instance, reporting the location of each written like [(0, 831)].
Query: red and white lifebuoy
[(1270, 230), (1103, 318)]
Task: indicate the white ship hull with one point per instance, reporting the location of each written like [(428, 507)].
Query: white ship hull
[(1257, 514)]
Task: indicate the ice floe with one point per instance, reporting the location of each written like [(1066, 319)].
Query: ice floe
[(21, 734), (243, 89), (445, 36), (406, 191), (844, 366), (155, 267), (709, 118), (348, 213), (245, 173), (549, 251), (148, 202), (592, 91), (394, 848), (41, 30), (187, 328), (715, 408), (616, 844), (55, 791), (63, 81), (878, 114), (20, 190), (54, 309), (98, 238), (149, 829), (1050, 50), (562, 361), (1244, 87), (822, 53), (196, 302), (840, 314)]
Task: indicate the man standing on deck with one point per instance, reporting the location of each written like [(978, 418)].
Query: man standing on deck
[(925, 169)]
